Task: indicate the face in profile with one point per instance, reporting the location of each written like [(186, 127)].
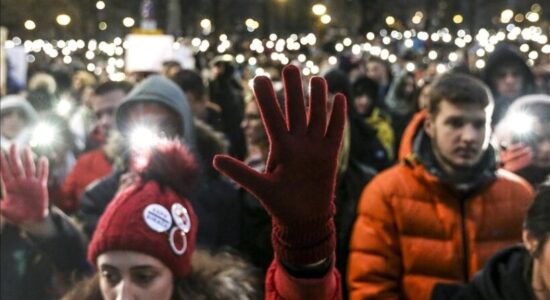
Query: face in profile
[(252, 125), (133, 275), (459, 135)]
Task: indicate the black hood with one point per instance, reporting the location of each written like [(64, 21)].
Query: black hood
[(506, 276), (506, 55)]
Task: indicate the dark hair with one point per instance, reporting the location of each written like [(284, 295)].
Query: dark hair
[(171, 63), (338, 82), (459, 89), (190, 82), (364, 85), (110, 86), (537, 221)]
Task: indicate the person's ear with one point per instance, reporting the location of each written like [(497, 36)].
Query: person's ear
[(429, 125), (530, 242)]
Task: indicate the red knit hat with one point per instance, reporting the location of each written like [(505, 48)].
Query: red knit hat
[(150, 217)]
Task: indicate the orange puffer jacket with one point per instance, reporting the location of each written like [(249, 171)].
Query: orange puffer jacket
[(413, 231)]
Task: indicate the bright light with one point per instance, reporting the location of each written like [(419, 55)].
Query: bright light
[(67, 59), (533, 55), (43, 135), (30, 25), (239, 58), (102, 26), (90, 67), (64, 107), (480, 64), (506, 15), (432, 54), (417, 18), (128, 22), (409, 43), (251, 24), (339, 47), (100, 5), (410, 67), (458, 19), (520, 122), (524, 47), (143, 138), (441, 68), (325, 19), (453, 56), (206, 24), (63, 19), (532, 17), (390, 20), (319, 9), (332, 60)]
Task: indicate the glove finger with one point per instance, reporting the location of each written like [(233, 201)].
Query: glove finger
[(245, 176), (272, 117), (15, 162), (294, 100), (5, 168), (28, 163), (318, 107), (43, 170), (337, 121)]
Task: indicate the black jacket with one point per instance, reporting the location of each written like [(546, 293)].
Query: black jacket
[(507, 276), (34, 268)]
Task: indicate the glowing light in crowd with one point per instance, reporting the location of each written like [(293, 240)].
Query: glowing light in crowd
[(30, 25), (332, 60), (43, 135), (480, 64), (458, 19), (417, 18), (67, 59), (319, 9), (506, 15), (100, 5), (102, 26), (143, 138), (532, 17), (128, 22), (370, 36), (432, 54), (390, 20), (410, 67), (63, 19), (251, 24), (239, 58), (63, 107), (520, 122), (325, 19)]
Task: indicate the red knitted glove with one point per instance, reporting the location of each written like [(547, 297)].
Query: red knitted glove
[(297, 187), (516, 157), (25, 191)]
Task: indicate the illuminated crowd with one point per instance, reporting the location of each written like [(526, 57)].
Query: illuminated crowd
[(103, 141)]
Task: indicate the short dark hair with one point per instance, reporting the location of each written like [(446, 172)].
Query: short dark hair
[(459, 89), (110, 86), (190, 82), (537, 221)]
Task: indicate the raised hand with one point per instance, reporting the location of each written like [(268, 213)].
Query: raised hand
[(25, 189), (297, 187), (516, 157)]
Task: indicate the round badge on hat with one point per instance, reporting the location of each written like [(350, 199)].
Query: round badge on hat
[(178, 240), (181, 217), (157, 217)]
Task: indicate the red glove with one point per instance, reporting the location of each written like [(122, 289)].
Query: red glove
[(516, 157), (25, 192), (297, 187)]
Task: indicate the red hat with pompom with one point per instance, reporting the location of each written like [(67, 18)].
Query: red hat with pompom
[(153, 215)]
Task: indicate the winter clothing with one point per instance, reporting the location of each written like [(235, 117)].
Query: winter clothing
[(384, 131), (89, 167), (35, 268), (158, 89), (18, 102), (505, 277), (415, 229), (505, 55)]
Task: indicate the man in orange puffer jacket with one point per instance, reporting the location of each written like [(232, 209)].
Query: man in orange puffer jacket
[(441, 213)]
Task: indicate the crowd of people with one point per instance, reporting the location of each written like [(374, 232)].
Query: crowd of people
[(373, 182)]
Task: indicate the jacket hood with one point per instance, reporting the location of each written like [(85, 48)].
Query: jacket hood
[(506, 55), (159, 89), (18, 101), (506, 276), (415, 149)]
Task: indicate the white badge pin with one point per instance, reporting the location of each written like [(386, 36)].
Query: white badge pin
[(157, 217), (178, 240), (181, 217)]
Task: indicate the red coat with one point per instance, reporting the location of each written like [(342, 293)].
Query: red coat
[(90, 166), (412, 230), (280, 285)]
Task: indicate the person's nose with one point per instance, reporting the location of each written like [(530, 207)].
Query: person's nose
[(125, 291), (469, 133)]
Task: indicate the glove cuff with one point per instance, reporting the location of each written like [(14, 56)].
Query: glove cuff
[(304, 242)]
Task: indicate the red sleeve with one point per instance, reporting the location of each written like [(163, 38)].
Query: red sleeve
[(281, 285)]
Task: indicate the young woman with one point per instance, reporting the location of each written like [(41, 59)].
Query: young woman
[(144, 243)]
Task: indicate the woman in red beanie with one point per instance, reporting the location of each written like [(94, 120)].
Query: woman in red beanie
[(144, 242)]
